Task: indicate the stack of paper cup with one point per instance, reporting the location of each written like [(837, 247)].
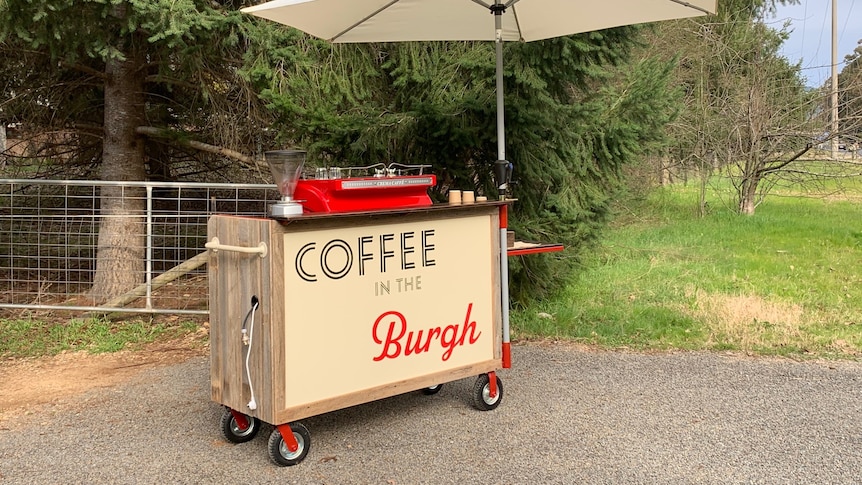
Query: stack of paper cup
[(454, 196), (468, 197)]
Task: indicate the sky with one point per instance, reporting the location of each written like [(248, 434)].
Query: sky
[(811, 37)]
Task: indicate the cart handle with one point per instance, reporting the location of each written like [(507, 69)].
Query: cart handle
[(215, 245)]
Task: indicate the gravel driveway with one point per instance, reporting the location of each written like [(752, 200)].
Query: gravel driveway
[(568, 416)]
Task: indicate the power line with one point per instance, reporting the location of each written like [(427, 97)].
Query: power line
[(824, 66), (823, 28), (808, 16), (846, 20)]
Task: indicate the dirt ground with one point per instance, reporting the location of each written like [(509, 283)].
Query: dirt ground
[(27, 383)]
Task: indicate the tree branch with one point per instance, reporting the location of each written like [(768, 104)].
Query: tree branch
[(85, 69), (787, 162), (157, 78), (245, 160), (824, 175)]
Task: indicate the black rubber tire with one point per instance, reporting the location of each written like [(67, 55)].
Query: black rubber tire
[(231, 432), (278, 452), (432, 390), (481, 390)]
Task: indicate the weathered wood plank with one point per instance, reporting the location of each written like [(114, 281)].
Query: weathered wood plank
[(278, 313), (238, 278), (159, 281)]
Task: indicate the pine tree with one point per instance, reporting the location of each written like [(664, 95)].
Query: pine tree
[(570, 125)]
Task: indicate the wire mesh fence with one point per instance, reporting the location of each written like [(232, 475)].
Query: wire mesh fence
[(50, 248)]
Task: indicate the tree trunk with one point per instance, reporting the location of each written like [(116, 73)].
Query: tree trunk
[(748, 196), (704, 176), (665, 173), (121, 245), (758, 116)]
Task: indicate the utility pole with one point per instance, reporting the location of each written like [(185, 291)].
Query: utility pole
[(834, 79)]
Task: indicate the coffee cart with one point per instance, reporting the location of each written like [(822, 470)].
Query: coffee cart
[(357, 288)]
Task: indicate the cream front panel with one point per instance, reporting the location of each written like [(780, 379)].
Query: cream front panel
[(372, 305)]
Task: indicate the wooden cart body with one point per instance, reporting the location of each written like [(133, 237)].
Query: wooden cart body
[(352, 307)]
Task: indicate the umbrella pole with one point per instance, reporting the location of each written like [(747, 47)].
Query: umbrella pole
[(502, 181), (502, 168), (501, 135)]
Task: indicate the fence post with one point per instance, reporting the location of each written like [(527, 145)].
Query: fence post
[(149, 266)]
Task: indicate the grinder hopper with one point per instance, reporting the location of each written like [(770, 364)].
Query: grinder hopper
[(286, 166)]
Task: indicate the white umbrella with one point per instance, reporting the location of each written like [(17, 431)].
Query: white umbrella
[(514, 20)]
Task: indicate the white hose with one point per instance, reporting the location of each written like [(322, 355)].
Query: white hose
[(251, 404)]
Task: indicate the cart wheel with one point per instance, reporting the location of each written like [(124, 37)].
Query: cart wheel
[(277, 448), (233, 433), (482, 394), (432, 390)]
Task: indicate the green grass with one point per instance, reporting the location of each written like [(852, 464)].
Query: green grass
[(34, 337), (782, 282)]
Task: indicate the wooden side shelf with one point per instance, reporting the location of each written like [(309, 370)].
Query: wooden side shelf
[(521, 248)]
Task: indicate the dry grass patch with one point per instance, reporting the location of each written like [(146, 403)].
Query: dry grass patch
[(749, 322)]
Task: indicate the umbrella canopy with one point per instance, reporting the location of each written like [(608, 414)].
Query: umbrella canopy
[(524, 20)]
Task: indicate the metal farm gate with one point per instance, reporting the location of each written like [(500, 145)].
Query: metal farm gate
[(49, 233)]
